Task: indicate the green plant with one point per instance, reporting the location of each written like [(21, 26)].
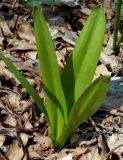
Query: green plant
[(71, 97), (116, 27)]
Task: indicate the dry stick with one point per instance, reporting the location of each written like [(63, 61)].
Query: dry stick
[(14, 3), (19, 129), (109, 153), (101, 139)]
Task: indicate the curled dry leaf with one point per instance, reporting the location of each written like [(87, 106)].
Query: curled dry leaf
[(5, 30), (10, 120), (44, 141), (115, 140), (93, 153), (101, 70), (28, 125), (68, 154), (2, 139), (108, 49), (12, 22), (13, 102), (4, 72), (63, 33), (20, 45), (32, 55), (26, 116), (68, 157), (108, 9), (41, 149), (18, 105), (15, 151), (112, 63), (25, 31), (24, 62), (24, 138), (23, 66)]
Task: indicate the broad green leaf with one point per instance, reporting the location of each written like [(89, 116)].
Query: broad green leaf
[(25, 84), (55, 100), (80, 68), (88, 103)]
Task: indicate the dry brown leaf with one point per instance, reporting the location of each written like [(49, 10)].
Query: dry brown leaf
[(115, 140), (17, 105), (25, 32), (68, 154), (26, 116), (10, 120), (13, 102), (12, 23), (108, 49), (92, 153), (24, 138), (4, 72), (78, 152), (42, 148), (20, 45), (2, 139), (15, 151), (28, 125), (32, 55), (101, 70), (68, 157), (5, 30), (108, 9)]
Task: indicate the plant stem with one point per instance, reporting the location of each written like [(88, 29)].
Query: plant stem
[(121, 38), (116, 25)]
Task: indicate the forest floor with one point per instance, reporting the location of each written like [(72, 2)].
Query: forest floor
[(23, 129)]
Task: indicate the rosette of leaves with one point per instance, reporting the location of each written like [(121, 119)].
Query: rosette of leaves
[(71, 97)]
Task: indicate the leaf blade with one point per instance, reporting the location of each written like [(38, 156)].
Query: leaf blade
[(50, 74), (83, 108), (93, 96), (82, 63)]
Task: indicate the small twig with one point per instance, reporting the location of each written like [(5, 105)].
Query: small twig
[(4, 4), (101, 138), (14, 3), (16, 23), (19, 129), (109, 153), (1, 4)]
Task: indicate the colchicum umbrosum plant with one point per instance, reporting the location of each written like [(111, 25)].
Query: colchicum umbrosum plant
[(71, 97)]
